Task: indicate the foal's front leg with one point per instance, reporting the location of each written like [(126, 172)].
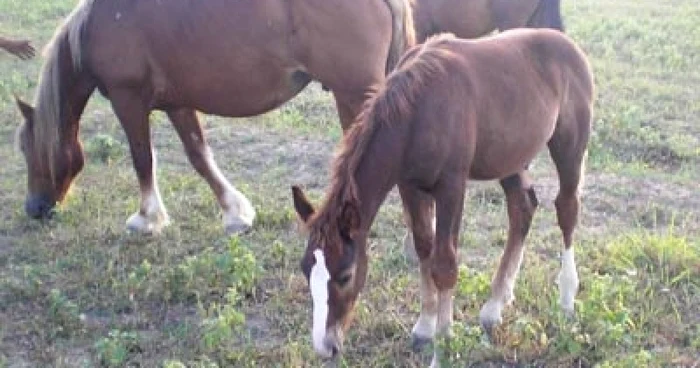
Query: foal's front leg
[(418, 207), (133, 116), (238, 212), (521, 202), (449, 202)]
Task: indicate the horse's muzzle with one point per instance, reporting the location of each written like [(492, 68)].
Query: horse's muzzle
[(39, 207), (331, 345)]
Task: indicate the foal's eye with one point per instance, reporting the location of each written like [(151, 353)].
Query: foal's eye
[(343, 280)]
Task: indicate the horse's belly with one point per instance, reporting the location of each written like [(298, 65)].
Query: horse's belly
[(241, 94), (500, 162)]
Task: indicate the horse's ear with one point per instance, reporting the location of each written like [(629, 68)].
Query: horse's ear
[(349, 219), (302, 205), (26, 109)]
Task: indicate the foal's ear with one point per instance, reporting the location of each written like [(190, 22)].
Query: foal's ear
[(26, 109), (349, 219), (302, 205)]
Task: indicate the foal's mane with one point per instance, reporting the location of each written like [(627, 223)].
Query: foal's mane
[(49, 111), (394, 103)]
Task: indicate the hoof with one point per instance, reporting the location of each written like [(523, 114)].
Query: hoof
[(140, 224), (569, 313), (418, 343), (237, 229)]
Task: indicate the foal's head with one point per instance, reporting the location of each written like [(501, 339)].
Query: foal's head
[(51, 166), (335, 265)]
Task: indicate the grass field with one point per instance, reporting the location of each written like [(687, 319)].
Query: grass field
[(79, 291)]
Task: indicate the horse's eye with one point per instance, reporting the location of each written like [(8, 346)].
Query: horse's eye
[(343, 280)]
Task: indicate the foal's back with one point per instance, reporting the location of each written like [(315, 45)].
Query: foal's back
[(498, 100)]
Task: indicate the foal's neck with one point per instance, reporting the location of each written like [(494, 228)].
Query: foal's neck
[(379, 169)]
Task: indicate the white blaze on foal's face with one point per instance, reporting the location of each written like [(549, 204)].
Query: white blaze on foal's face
[(318, 282)]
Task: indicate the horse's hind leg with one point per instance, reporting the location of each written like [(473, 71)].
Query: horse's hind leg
[(522, 203), (238, 212), (133, 116), (418, 207), (568, 151)]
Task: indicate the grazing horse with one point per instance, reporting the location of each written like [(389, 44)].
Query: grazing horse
[(475, 18), (222, 57), (453, 110)]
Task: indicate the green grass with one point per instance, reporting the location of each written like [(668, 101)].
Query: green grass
[(79, 291)]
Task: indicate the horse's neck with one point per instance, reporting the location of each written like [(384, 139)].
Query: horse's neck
[(379, 170)]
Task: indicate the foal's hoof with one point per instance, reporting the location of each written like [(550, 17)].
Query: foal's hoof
[(569, 314), (237, 229), (418, 343)]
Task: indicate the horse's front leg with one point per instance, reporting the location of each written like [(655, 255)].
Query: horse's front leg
[(449, 201), (521, 202), (238, 212), (133, 116), (418, 211)]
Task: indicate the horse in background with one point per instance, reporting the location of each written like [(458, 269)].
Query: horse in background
[(476, 18), (453, 110), (227, 58)]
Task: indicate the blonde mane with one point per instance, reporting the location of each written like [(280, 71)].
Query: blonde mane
[(48, 100)]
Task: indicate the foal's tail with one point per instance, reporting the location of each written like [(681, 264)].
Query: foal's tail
[(547, 15), (403, 33)]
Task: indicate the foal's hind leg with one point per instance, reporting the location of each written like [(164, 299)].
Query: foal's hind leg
[(133, 116), (419, 217), (569, 158), (521, 202), (238, 212)]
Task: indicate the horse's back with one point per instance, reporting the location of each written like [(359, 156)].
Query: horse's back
[(505, 94), (262, 52)]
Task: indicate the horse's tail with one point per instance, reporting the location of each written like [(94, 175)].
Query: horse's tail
[(62, 68), (403, 33), (547, 15)]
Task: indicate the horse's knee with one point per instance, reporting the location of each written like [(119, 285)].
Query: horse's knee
[(444, 272)]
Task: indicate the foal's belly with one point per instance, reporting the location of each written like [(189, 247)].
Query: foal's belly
[(502, 161)]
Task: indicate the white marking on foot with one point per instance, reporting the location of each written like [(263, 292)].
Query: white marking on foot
[(152, 217), (426, 325), (318, 282), (238, 211), (568, 281), (490, 314), (445, 313)]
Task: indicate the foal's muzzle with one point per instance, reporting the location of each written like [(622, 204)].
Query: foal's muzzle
[(331, 345), (39, 207)]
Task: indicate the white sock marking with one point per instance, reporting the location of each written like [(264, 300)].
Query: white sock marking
[(238, 211), (568, 280), (318, 281)]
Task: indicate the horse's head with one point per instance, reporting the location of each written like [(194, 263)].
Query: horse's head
[(335, 265), (53, 160)]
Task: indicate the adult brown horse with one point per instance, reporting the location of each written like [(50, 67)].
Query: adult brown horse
[(223, 57), (475, 18), (453, 110)]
